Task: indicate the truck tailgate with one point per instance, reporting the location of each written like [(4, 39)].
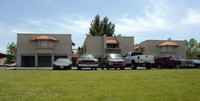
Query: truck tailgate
[(146, 58)]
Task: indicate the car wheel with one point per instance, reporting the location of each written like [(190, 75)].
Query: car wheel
[(122, 68), (70, 67), (95, 68), (133, 65), (107, 67), (79, 68), (148, 66), (102, 66), (65, 68), (54, 68), (178, 66)]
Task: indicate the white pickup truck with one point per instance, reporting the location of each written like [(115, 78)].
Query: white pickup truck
[(135, 59)]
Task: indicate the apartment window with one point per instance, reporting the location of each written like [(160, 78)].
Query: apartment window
[(44, 44), (37, 43), (51, 44), (112, 46), (167, 49)]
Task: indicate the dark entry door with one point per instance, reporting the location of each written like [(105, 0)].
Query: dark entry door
[(28, 61), (44, 61)]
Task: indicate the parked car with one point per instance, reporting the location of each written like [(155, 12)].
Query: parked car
[(135, 59), (113, 61), (173, 62), (62, 63), (196, 63), (87, 61)]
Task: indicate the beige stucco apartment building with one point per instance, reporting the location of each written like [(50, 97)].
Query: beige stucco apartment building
[(41, 50), (161, 48), (101, 45)]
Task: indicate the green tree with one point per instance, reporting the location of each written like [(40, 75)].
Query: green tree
[(10, 48), (169, 39), (193, 48), (99, 28)]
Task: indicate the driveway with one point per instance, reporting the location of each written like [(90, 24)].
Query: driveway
[(25, 68), (50, 68), (3, 68)]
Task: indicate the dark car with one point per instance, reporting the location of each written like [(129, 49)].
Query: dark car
[(196, 63), (62, 63), (87, 61), (113, 61), (173, 62)]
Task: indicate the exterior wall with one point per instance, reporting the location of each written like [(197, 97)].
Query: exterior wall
[(150, 48), (126, 44), (94, 45), (25, 47), (2, 62)]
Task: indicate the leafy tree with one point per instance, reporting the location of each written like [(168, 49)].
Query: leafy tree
[(10, 48), (108, 27), (169, 39), (80, 48), (193, 48), (99, 28)]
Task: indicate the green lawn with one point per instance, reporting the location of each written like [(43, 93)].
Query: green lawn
[(116, 85)]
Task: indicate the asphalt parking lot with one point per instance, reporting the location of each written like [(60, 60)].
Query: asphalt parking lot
[(50, 68)]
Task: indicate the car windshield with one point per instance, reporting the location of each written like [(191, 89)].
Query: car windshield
[(63, 60), (179, 58), (196, 61), (114, 56), (87, 56)]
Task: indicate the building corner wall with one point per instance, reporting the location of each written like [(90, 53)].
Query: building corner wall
[(18, 52)]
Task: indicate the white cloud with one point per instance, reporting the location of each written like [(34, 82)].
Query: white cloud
[(33, 22), (192, 17), (15, 30), (153, 19), (1, 29), (67, 25), (150, 22), (3, 49)]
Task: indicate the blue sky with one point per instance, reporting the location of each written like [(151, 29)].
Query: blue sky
[(143, 19)]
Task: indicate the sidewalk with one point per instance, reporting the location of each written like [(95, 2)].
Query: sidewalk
[(26, 68)]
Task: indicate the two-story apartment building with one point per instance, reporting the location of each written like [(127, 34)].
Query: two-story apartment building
[(41, 50), (161, 48), (101, 45)]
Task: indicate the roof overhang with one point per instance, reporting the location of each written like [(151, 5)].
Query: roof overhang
[(44, 37), (3, 55), (137, 46), (111, 41), (73, 44), (167, 43)]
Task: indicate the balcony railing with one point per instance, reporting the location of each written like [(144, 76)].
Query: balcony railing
[(112, 50)]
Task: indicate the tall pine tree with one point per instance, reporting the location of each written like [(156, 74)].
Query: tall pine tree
[(99, 28)]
